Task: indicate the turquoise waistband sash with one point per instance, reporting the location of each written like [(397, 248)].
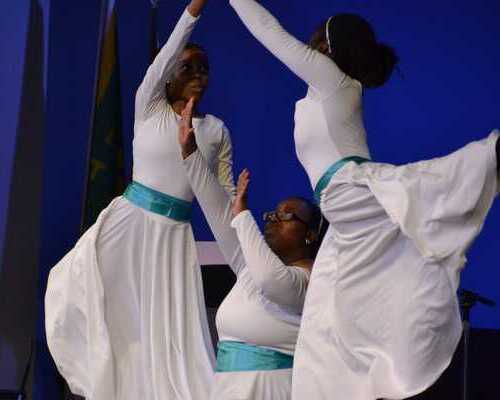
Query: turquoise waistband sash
[(238, 356), (327, 176), (158, 202)]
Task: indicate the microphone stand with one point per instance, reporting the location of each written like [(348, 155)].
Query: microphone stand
[(468, 300)]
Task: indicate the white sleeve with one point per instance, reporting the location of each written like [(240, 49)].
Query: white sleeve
[(216, 205), (284, 285), (151, 93), (225, 163), (316, 69)]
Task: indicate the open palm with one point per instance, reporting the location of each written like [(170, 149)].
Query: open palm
[(187, 139)]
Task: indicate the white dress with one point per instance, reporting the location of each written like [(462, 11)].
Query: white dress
[(381, 318), (125, 312), (264, 306)]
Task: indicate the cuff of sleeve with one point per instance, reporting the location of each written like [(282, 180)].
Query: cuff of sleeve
[(240, 218), (188, 17)]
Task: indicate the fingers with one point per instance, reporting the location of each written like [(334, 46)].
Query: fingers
[(187, 138), (186, 122), (187, 111), (244, 175), (240, 201), (243, 182), (190, 105)]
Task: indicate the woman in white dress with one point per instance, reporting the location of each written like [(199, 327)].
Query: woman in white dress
[(258, 321), (125, 313), (381, 318)]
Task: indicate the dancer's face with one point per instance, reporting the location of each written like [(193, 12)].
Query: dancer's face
[(190, 78), (286, 236)]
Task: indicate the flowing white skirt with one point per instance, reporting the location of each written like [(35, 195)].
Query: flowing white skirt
[(381, 318), (125, 312), (253, 385)]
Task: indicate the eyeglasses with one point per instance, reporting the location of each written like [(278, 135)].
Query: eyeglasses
[(278, 216)]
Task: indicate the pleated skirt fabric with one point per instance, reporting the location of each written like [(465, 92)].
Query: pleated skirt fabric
[(125, 312)]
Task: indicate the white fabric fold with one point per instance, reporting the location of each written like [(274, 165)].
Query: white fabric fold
[(390, 321)]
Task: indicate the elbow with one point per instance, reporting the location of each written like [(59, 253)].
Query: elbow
[(266, 287)]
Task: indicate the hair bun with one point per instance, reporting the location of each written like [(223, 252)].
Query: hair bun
[(357, 52), (387, 60)]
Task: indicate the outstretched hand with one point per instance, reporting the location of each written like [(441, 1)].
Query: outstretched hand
[(240, 201), (187, 139), (195, 7)]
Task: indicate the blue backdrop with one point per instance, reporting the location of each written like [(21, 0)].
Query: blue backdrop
[(446, 95)]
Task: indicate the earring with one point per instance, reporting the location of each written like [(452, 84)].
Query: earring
[(308, 241)]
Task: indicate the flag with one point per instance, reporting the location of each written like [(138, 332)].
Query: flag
[(105, 170)]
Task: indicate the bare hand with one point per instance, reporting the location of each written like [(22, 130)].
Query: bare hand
[(195, 7), (240, 201), (187, 139)]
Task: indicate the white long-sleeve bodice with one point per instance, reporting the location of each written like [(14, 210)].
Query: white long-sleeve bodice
[(265, 305), (331, 112), (157, 159)]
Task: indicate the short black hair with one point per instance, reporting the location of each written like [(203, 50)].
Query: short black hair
[(195, 46)]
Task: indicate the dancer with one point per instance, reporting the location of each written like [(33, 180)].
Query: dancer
[(258, 322), (381, 319), (125, 312)]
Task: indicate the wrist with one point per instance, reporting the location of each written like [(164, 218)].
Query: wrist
[(195, 7), (239, 207), (239, 218)]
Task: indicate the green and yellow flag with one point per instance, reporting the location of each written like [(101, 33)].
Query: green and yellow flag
[(106, 175)]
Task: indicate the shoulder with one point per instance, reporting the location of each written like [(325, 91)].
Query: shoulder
[(215, 127), (212, 122)]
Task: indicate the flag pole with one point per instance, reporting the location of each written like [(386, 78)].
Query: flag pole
[(154, 42), (100, 43)]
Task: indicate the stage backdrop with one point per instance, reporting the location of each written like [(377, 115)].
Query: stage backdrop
[(445, 95)]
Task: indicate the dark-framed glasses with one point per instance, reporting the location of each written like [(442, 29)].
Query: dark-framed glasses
[(278, 216)]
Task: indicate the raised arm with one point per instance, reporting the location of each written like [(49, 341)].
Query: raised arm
[(151, 93), (216, 205), (316, 69), (282, 284), (224, 170), (213, 199)]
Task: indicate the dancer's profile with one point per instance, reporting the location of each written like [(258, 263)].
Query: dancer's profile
[(125, 312), (381, 319), (258, 321)]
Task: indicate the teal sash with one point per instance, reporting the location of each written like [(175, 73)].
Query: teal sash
[(158, 202), (238, 356), (327, 176)]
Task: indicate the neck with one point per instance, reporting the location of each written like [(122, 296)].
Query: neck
[(298, 260)]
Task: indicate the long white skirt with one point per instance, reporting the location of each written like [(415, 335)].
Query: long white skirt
[(381, 318), (253, 385), (125, 312)]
